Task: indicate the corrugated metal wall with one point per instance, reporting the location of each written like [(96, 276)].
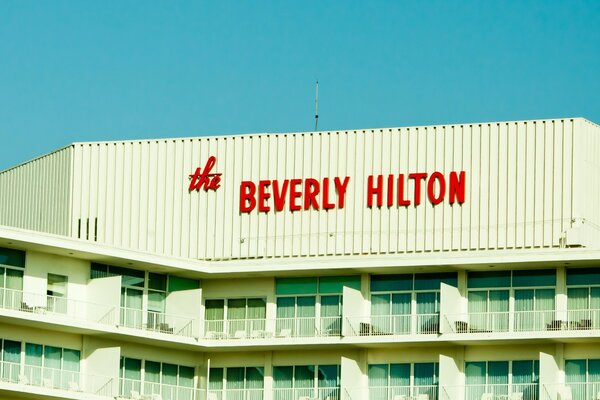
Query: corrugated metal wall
[(586, 180), (36, 195), (519, 191)]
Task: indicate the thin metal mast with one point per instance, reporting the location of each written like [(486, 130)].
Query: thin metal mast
[(317, 108)]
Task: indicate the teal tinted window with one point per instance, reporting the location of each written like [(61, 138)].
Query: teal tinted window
[(130, 277), (475, 372), (534, 278), (11, 351), (399, 374), (215, 379), (176, 284), (484, 279), (98, 271), (378, 375), (433, 281), (296, 286), (575, 370), (498, 372), (15, 258), (335, 284), (583, 276), (391, 283), (157, 282)]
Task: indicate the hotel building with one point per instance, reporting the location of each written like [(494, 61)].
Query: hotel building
[(449, 262)]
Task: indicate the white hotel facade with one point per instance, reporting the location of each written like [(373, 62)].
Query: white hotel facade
[(451, 262)]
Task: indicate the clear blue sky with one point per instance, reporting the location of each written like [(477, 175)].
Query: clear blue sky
[(81, 70)]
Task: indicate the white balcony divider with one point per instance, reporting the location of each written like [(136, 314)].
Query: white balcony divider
[(236, 394), (310, 393), (57, 379), (386, 325), (156, 322), (38, 303), (514, 391), (425, 392), (571, 391), (135, 389), (280, 328)]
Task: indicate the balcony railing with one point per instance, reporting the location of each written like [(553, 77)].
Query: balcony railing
[(236, 394), (571, 391), (514, 391), (56, 379), (37, 303), (386, 325), (136, 390), (157, 322), (418, 392), (502, 321), (273, 328), (310, 393)]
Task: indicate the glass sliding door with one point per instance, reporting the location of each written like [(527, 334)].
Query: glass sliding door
[(283, 383), (52, 365), (583, 377), (152, 377), (11, 288), (131, 377), (70, 367), (57, 293), (255, 380), (331, 315), (428, 312), (584, 307), (534, 309), (33, 364), (296, 316), (525, 379), (214, 316), (390, 313), (426, 380), (157, 298), (256, 315), (131, 307), (305, 316), (399, 380), (215, 383), (378, 382), (328, 384), (488, 310), (236, 318), (11, 361)]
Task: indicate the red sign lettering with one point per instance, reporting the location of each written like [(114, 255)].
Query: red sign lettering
[(436, 183), (204, 179)]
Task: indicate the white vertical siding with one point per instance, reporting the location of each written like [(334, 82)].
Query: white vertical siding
[(586, 180), (36, 195), (519, 185)]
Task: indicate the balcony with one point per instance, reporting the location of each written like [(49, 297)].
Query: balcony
[(309, 393), (137, 390), (280, 328), (19, 377), (393, 325), (514, 391), (418, 392), (235, 394), (523, 321), (571, 391), (58, 307), (157, 322)]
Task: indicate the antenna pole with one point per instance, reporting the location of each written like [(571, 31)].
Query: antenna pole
[(317, 108)]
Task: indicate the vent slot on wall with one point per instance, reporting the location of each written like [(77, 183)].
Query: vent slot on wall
[(84, 232)]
